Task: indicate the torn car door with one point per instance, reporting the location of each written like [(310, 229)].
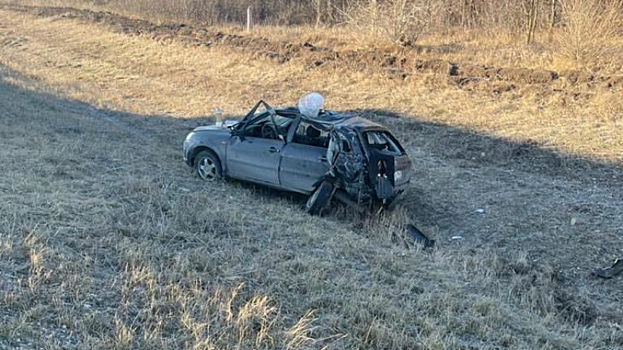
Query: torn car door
[(303, 166)]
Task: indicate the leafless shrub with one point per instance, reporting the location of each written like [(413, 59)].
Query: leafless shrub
[(590, 30), (402, 21)]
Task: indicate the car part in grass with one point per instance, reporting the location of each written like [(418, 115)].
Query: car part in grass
[(419, 237), (612, 271), (318, 201)]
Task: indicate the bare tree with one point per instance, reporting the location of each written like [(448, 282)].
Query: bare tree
[(531, 13)]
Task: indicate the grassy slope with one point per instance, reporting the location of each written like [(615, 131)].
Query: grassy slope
[(106, 240)]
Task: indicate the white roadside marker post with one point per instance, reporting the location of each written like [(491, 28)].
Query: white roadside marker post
[(250, 19)]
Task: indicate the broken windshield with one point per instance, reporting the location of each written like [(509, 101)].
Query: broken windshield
[(268, 126)]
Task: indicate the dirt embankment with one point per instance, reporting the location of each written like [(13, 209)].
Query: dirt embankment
[(400, 62)]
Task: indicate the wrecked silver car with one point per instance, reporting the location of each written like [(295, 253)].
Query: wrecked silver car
[(324, 155)]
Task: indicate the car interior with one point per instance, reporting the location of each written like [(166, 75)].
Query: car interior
[(383, 142), (308, 134), (264, 127)]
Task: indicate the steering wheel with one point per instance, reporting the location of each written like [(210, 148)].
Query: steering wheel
[(269, 131)]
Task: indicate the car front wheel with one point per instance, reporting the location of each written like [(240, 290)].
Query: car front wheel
[(207, 166)]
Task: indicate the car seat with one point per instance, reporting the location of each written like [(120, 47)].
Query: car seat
[(312, 132), (314, 137)]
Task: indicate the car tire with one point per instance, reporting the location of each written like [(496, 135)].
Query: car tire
[(318, 201), (208, 166)]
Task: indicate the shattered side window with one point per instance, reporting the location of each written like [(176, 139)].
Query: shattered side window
[(382, 141), (308, 134)]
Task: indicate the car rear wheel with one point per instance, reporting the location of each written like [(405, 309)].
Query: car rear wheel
[(320, 198), (207, 166)]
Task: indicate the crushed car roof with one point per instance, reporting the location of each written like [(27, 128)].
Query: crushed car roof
[(330, 118)]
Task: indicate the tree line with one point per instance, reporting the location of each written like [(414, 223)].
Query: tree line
[(581, 28)]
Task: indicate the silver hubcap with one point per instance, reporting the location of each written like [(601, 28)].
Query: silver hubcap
[(207, 169)]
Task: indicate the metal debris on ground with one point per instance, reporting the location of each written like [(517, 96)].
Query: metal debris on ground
[(612, 271), (420, 237)]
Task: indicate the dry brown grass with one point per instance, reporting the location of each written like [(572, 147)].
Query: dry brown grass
[(587, 36), (107, 241), (571, 119), (592, 32)]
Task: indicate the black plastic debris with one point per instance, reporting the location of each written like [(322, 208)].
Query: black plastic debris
[(420, 237), (612, 271)]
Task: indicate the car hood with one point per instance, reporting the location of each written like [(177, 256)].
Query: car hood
[(226, 124), (208, 127)]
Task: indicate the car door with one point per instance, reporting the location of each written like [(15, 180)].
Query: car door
[(255, 159), (303, 163), (302, 166)]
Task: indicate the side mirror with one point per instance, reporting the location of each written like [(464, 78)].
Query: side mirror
[(234, 130)]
